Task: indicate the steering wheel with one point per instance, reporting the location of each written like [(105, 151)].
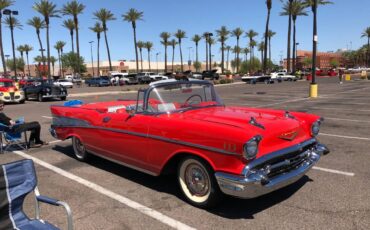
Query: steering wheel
[(197, 97)]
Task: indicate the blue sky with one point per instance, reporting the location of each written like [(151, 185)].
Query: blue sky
[(340, 25)]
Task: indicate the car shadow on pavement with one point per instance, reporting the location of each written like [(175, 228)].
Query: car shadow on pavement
[(230, 207)]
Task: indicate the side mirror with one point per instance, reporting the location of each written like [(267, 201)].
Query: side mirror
[(131, 110)]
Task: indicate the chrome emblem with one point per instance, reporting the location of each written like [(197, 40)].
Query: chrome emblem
[(289, 136)]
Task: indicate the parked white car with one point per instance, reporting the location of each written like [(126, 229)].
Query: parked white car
[(283, 76), (63, 82), (153, 76)]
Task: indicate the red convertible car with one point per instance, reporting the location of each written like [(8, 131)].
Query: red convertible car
[(182, 127)]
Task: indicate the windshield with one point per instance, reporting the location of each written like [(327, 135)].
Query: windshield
[(6, 84), (181, 97)]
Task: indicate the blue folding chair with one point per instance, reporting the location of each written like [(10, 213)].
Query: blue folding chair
[(17, 180), (10, 140), (73, 103)]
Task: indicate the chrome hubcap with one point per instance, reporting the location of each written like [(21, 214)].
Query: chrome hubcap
[(196, 180), (79, 147)]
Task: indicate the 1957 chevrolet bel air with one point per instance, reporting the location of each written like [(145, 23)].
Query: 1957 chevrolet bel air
[(183, 127)]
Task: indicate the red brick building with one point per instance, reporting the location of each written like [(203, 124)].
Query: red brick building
[(323, 60)]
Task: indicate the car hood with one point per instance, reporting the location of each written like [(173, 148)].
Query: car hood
[(273, 125)]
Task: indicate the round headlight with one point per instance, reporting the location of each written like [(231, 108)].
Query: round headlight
[(251, 148), (1, 94), (21, 92), (315, 128)]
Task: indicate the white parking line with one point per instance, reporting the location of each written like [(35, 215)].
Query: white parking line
[(53, 142), (343, 119), (348, 137), (334, 171), (130, 203), (47, 117)]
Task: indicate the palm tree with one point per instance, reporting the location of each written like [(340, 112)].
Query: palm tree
[(148, 46), (237, 33), (27, 49), (38, 24), (140, 45), (366, 34), (246, 51), (251, 34), (20, 49), (287, 12), (3, 4), (165, 36), (222, 34), (261, 47), (132, 16), (59, 47), (253, 44), (227, 48), (269, 6), (236, 50), (104, 15), (270, 34), (74, 8), (48, 10), (211, 42), (12, 23), (53, 60), (206, 37), (180, 34), (70, 25), (196, 38), (98, 29), (297, 9), (173, 44)]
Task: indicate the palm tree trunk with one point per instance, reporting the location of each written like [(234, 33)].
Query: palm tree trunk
[(77, 45), (250, 59), (270, 49), (72, 42), (294, 51), (288, 45), (53, 69), (182, 66), (60, 66), (368, 52), (1, 44), (150, 69), (222, 57), (98, 53), (141, 59), (28, 65), (196, 49), (48, 47), (237, 55), (42, 49), (227, 62), (265, 49), (14, 59), (206, 54), (165, 58), (110, 62), (173, 56), (137, 62)]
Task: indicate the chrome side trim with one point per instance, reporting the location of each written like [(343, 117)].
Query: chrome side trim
[(276, 154)]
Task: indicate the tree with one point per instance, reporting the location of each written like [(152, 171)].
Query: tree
[(261, 48), (140, 45), (236, 50), (74, 8), (307, 62), (366, 34), (38, 24), (165, 36), (180, 34), (251, 34), (70, 61), (197, 65), (20, 49), (173, 44), (253, 44), (269, 6), (237, 33), (251, 66), (148, 46), (297, 9), (196, 38), (12, 23), (104, 15), (98, 29), (246, 51), (270, 34), (132, 16), (287, 12), (211, 42), (19, 64), (59, 47), (39, 70), (27, 49), (48, 10), (334, 63), (227, 48), (3, 5), (52, 61), (222, 34), (70, 25)]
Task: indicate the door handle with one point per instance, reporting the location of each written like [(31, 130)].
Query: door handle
[(106, 119)]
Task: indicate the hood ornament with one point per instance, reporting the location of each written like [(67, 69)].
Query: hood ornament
[(289, 136), (289, 115), (254, 122)]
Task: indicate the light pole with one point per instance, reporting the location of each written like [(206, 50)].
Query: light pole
[(92, 58), (10, 13), (296, 54), (313, 86), (156, 59), (189, 60)]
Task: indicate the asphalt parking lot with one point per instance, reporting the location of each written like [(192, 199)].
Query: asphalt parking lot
[(104, 195)]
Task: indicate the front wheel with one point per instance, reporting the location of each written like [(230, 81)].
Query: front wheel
[(63, 98), (198, 183), (40, 98), (79, 149)]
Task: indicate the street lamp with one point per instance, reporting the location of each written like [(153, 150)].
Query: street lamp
[(92, 58), (10, 13), (156, 58)]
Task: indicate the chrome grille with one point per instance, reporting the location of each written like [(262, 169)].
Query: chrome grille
[(55, 91), (12, 95)]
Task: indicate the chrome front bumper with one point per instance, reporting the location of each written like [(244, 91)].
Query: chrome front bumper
[(255, 181)]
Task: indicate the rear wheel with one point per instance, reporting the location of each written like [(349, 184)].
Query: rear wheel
[(40, 98), (79, 149), (198, 183)]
